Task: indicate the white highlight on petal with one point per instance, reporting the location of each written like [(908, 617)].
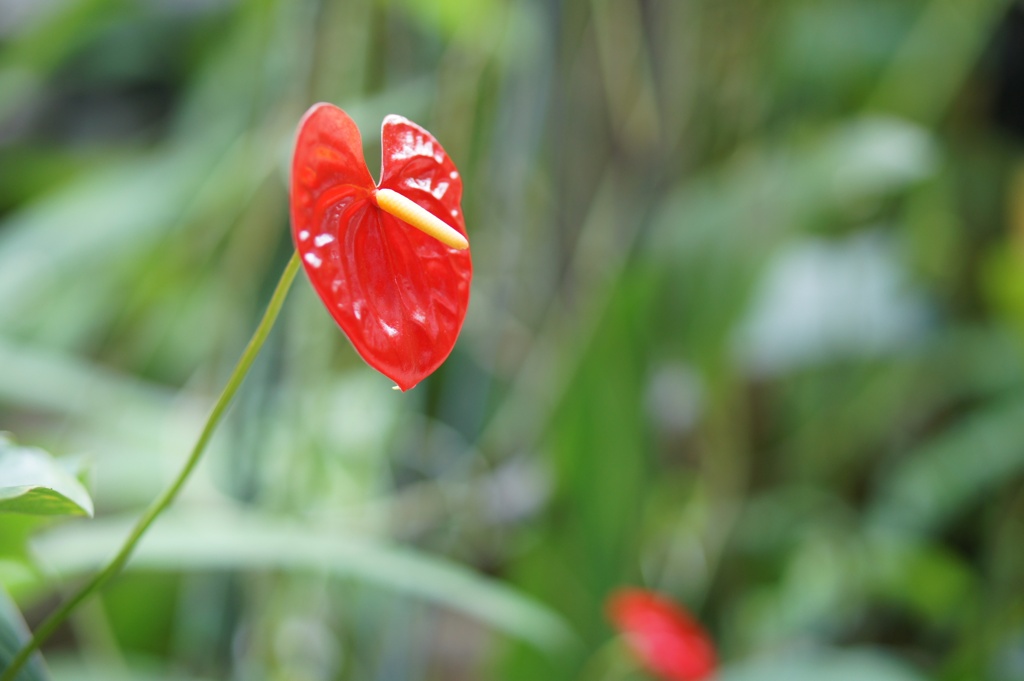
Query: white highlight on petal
[(413, 145), (303, 235), (323, 239), (418, 184), (313, 259)]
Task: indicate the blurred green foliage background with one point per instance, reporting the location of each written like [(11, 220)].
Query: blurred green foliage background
[(747, 327)]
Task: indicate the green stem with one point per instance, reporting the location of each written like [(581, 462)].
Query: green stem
[(112, 568)]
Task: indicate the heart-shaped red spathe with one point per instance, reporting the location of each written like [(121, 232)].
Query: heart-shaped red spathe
[(398, 294)]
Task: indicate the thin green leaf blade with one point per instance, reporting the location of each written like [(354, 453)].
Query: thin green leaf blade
[(215, 540), (835, 665)]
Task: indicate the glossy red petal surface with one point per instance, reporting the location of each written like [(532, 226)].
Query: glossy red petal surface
[(398, 294), (664, 638)]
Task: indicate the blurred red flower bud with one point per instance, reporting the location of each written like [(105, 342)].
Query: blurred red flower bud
[(665, 639)]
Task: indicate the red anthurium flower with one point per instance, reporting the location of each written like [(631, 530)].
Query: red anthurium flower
[(665, 639), (389, 260)]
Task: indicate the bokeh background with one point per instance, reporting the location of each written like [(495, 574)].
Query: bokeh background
[(747, 327)]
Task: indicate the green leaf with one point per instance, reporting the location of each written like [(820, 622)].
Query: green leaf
[(13, 634), (958, 468), (69, 668), (853, 665), (33, 482), (214, 540)]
